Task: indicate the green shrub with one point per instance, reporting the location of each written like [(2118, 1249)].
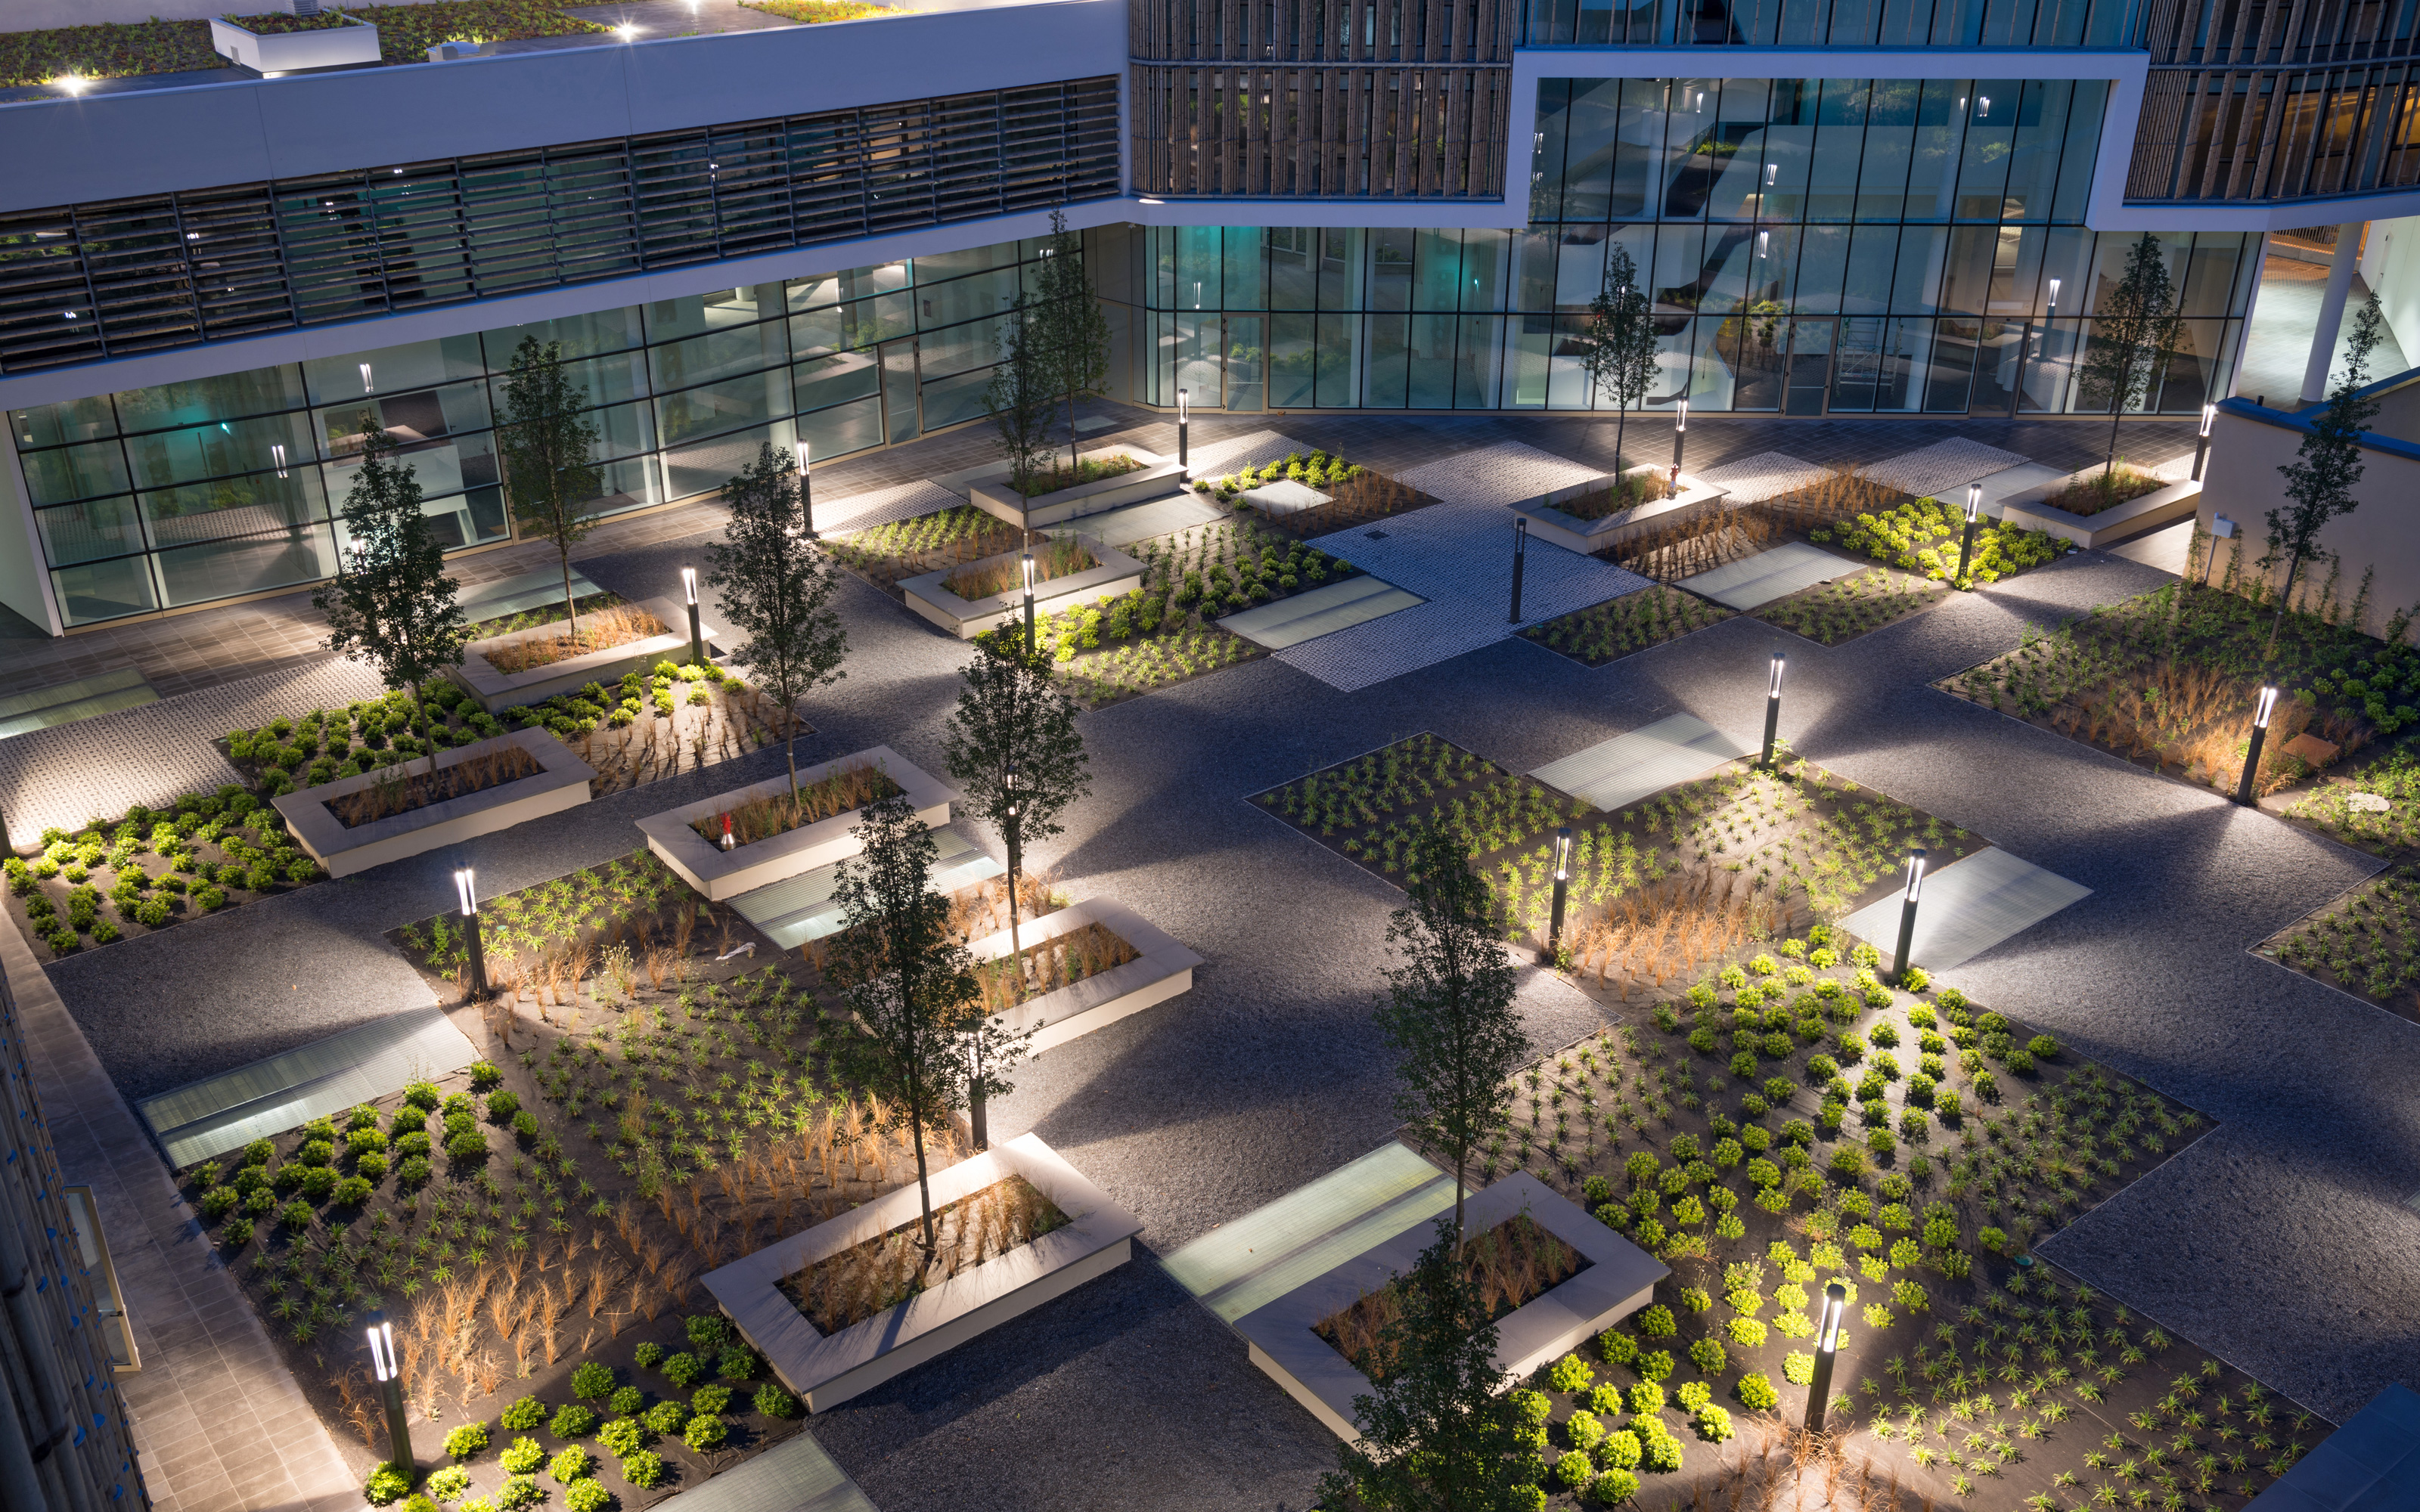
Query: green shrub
[(572, 1420), (1693, 1394), (1617, 1346), (413, 1172), (738, 1363), (466, 1146), (502, 1106), (1583, 1430), (385, 1484), (408, 1145), (218, 1201), (570, 1465), (1708, 1356), (650, 1355), (593, 1381), (448, 1484), (1574, 1471), (1748, 1332), (706, 1332), (586, 1494), (296, 1215), (525, 1124), (258, 1152), (1646, 1397), (1571, 1373), (704, 1433), (425, 1096), (523, 1415), (1756, 1393), (521, 1457), (622, 1436), (1619, 1449), (626, 1402), (667, 1417), (352, 1192), (772, 1401), (467, 1440), (1992, 1239), (1612, 1488), (319, 1182), (1656, 1322), (643, 1469), (371, 1168), (684, 1369), (485, 1074), (520, 1491), (1714, 1423), (710, 1400), (1656, 1365)]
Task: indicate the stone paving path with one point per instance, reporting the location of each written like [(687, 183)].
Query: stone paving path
[(2279, 1240)]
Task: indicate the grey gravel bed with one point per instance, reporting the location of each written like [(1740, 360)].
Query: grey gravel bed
[(2277, 1241)]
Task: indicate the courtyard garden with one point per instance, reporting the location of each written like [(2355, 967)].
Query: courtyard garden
[(1853, 604), (406, 33), (1607, 632)]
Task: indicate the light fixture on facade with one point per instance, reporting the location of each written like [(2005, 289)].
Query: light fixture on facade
[(367, 387)]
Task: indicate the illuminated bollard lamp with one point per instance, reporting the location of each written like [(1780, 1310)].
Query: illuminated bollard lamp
[(2245, 791), (1827, 1347), (1907, 912)]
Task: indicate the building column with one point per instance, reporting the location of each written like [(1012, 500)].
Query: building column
[(2323, 340)]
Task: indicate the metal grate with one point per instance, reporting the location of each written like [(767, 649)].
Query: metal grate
[(85, 282)]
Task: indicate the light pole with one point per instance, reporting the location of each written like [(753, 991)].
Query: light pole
[(1680, 440), (2201, 442), (1028, 566), (1907, 912), (696, 632), (1966, 543), (2244, 790), (1520, 560), (1772, 711), (806, 493), (1828, 1345), (466, 888), (1183, 433), (1563, 883), (390, 1377)]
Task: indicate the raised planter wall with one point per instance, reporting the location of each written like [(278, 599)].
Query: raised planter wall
[(2026, 511), (824, 1371), (1164, 970), (497, 692), (1619, 1280), (722, 874), (1156, 476), (327, 47), (1589, 536), (561, 784), (1118, 573)]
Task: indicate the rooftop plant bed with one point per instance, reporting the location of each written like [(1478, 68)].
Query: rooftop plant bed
[(599, 629), (1625, 492), (1658, 888), (2375, 807), (2089, 495), (1922, 536), (406, 33), (2168, 680), (1965, 1376), (1053, 559), (1511, 1265), (853, 787), (1061, 476), (815, 13), (1682, 544), (151, 869), (2363, 943), (399, 790), (1356, 495), (1045, 966), (1609, 631), (1317, 470), (884, 555), (647, 727), (1168, 632), (1851, 605), (850, 1285)]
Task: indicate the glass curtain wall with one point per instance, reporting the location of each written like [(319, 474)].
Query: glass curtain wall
[(1809, 247), (188, 493)]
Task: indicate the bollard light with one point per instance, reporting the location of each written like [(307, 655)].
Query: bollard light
[(1772, 711), (466, 889), (806, 491), (1028, 566), (2244, 790), (1183, 432), (1966, 544), (1827, 1347), (1562, 884), (1520, 561), (1907, 912), (2201, 439), (74, 84), (696, 631), (1680, 438), (389, 1371)]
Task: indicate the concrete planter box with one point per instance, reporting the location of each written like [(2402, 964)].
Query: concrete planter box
[(1156, 476), (1118, 573), (497, 692), (2026, 511), (825, 1371), (721, 874), (561, 784), (1589, 536), (1618, 1281), (329, 47), (1164, 970)]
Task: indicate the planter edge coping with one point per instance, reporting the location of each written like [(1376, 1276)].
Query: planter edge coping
[(998, 491), (1619, 1274), (927, 586), (1540, 508), (1163, 956), (669, 829), (485, 682), (2029, 503), (324, 835), (747, 1289)]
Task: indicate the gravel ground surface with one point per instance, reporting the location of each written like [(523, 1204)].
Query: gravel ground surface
[(2279, 1231)]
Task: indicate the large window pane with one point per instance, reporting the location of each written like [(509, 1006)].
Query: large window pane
[(843, 376), (583, 335), (229, 396), (69, 472), (213, 451), (837, 432), (720, 407), (235, 506), (55, 425), (250, 565), (720, 354), (950, 400), (1293, 267), (1387, 372), (963, 298), (421, 364), (1291, 360), (724, 309), (97, 528), (104, 589)]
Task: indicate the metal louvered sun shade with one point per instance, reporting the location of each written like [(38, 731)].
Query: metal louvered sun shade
[(85, 282)]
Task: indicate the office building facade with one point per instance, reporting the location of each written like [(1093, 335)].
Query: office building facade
[(1855, 208)]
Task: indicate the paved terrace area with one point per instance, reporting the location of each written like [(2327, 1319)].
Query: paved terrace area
[(2280, 1241)]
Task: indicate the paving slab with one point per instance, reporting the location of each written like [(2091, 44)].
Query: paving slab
[(1503, 474), (1752, 480), (65, 702), (797, 909), (1617, 773), (1933, 470), (1321, 611), (1124, 526), (1974, 904), (1249, 1260), (1754, 581)]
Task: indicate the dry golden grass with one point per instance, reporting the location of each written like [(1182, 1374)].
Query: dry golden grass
[(1353, 502), (1057, 558), (1707, 539), (2195, 719), (848, 1287), (2091, 495), (599, 630), (1650, 934), (1509, 1264), (399, 790), (1627, 492), (1051, 965), (853, 787)]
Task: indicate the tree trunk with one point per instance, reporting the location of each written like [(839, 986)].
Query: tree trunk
[(2117, 412), (1618, 426), (2286, 596), (570, 608), (923, 1188), (1461, 1166), (791, 746), (1016, 859)]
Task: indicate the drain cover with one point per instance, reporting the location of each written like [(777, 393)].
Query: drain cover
[(1375, 535)]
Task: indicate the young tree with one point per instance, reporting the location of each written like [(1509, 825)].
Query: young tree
[(546, 442), (1076, 334), (910, 984), (1618, 345), (1448, 1010), (2134, 333), (1014, 747), (1020, 396), (777, 590), (1436, 1434), (392, 606), (2320, 481)]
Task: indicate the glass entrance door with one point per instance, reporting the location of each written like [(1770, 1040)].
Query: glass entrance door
[(899, 409), (1810, 367)]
